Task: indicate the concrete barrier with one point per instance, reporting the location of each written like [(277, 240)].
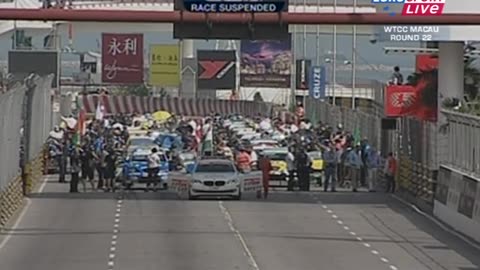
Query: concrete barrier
[(457, 201)]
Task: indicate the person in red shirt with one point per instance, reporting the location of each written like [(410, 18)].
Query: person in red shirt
[(390, 172), (265, 166), (243, 161)]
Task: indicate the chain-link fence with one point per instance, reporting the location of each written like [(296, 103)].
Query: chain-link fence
[(11, 124), (25, 121), (366, 125)]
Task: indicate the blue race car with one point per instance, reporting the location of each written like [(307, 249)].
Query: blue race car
[(167, 141), (135, 169)]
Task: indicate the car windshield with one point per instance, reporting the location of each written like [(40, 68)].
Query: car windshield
[(315, 155), (276, 155), (188, 156), (145, 157), (215, 168), (141, 142)]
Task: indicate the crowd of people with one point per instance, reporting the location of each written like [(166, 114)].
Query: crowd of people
[(349, 162)]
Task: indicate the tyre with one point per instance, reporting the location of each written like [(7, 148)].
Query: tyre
[(237, 197), (191, 197)]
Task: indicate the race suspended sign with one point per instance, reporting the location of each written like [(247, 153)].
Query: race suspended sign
[(318, 82), (165, 65), (212, 6)]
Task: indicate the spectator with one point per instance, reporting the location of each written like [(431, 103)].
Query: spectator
[(397, 77), (390, 171), (373, 163)]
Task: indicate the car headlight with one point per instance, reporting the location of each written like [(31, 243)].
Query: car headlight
[(232, 181), (196, 181)]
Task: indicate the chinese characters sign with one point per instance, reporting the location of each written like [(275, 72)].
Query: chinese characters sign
[(122, 58), (165, 65)]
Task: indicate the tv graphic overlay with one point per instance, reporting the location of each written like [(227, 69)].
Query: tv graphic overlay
[(23, 63), (213, 6), (414, 7), (216, 69)]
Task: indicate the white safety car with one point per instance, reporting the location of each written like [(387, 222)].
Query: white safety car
[(215, 178)]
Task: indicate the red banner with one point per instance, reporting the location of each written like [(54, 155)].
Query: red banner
[(425, 62), (122, 58), (400, 100)]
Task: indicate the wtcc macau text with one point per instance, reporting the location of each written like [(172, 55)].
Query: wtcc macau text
[(411, 33)]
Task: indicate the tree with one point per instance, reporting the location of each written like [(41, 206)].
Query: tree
[(429, 95), (133, 90)]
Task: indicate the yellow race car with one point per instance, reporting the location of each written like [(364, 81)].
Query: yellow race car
[(279, 174), (317, 167)]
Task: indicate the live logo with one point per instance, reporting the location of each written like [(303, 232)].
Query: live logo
[(422, 9)]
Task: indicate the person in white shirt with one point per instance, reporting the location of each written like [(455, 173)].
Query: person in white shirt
[(153, 169), (290, 160), (293, 128)]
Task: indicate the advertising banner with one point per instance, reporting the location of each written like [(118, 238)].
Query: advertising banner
[(165, 65), (318, 82), (122, 58), (22, 63), (216, 69), (266, 63), (400, 100), (302, 75)]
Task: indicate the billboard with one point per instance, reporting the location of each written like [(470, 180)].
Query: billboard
[(122, 58), (23, 63), (165, 65), (302, 74), (217, 30), (216, 69), (318, 82), (266, 63)]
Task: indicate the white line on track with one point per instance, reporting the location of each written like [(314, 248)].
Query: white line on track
[(15, 225), (359, 239), (116, 231), (248, 253)]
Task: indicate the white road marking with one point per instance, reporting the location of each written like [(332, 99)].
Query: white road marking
[(116, 231), (367, 245), (248, 253), (28, 202)]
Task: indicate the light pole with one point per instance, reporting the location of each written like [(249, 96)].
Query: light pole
[(334, 45), (354, 56)]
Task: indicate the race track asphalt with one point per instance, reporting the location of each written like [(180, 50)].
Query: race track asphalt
[(288, 231)]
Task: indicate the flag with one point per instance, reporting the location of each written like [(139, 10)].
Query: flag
[(100, 112), (357, 137), (80, 127)]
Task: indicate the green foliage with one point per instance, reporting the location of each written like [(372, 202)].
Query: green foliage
[(133, 90)]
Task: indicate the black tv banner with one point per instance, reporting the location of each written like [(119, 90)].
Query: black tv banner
[(23, 63), (302, 79), (216, 69)]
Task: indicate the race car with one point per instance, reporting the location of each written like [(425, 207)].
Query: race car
[(135, 169), (317, 166), (279, 174), (187, 161), (263, 144), (215, 178), (143, 142)]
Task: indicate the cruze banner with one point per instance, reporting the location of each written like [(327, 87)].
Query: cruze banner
[(318, 82), (122, 58)]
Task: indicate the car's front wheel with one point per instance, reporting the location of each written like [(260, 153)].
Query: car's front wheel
[(191, 197), (237, 197)]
